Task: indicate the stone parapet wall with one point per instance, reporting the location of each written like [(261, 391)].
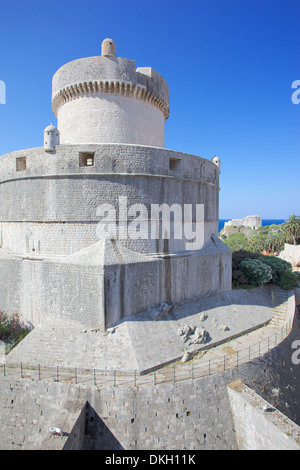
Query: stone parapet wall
[(102, 284), (50, 207), (258, 425)]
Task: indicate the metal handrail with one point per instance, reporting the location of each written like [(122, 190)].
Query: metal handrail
[(172, 373)]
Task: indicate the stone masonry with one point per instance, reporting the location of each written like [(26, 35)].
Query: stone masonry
[(58, 256)]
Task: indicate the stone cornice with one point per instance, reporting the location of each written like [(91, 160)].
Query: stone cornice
[(125, 89), (109, 175)]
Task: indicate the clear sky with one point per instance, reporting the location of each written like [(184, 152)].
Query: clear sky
[(229, 64)]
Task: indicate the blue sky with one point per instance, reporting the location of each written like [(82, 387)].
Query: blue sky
[(229, 65)]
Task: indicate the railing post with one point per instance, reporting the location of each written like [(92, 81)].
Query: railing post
[(115, 378), (21, 370), (57, 373), (209, 367), (135, 378), (75, 376), (39, 372)]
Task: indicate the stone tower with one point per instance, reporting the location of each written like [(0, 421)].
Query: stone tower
[(107, 100), (72, 211)]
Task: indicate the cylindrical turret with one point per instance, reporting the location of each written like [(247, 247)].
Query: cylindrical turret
[(108, 48), (51, 138), (105, 99)]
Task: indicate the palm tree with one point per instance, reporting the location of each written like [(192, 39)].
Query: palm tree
[(292, 229), (275, 240)]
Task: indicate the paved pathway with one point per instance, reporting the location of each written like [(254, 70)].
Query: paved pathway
[(216, 359)]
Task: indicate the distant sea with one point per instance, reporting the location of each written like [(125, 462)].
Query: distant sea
[(264, 222)]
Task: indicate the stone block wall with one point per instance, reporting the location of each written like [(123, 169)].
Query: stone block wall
[(105, 99), (258, 425), (50, 207)]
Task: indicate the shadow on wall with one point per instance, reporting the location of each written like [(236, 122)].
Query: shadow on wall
[(95, 435)]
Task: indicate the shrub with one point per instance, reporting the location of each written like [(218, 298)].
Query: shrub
[(12, 330), (240, 255), (277, 265), (257, 272), (238, 278), (288, 280)]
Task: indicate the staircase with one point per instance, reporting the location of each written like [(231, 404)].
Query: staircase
[(280, 303)]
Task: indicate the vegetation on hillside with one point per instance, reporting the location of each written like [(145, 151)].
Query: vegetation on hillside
[(269, 239), (253, 262)]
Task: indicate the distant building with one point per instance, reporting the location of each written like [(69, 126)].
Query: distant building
[(252, 221)]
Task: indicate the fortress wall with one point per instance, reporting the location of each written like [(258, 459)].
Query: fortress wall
[(189, 415), (40, 290), (29, 408), (257, 429), (109, 158), (98, 293), (102, 118), (54, 188), (105, 99), (137, 287), (45, 239), (108, 69)]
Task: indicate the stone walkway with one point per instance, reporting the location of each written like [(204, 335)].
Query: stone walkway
[(25, 362)]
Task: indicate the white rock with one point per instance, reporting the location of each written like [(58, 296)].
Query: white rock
[(224, 328), (188, 355)]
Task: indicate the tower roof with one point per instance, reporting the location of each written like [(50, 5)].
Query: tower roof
[(50, 128)]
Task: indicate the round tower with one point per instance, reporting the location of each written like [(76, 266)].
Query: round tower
[(51, 138), (106, 99)]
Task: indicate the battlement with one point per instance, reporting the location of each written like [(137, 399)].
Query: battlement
[(124, 104), (117, 76)]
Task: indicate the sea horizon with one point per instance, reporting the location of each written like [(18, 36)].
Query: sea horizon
[(265, 222)]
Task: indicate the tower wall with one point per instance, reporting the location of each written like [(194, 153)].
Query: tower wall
[(106, 119), (50, 207), (106, 99), (56, 260)]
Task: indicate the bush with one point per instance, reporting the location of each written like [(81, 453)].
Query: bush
[(288, 280), (238, 278), (257, 272), (12, 330), (278, 266), (240, 255)]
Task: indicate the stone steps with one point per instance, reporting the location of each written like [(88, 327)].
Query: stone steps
[(280, 305)]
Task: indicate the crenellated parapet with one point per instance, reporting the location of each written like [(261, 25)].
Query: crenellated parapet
[(106, 99), (97, 88)]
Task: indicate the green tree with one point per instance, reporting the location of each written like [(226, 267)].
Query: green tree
[(275, 240), (291, 229), (237, 241), (258, 242)]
